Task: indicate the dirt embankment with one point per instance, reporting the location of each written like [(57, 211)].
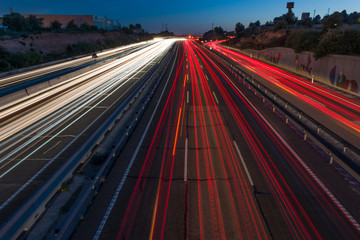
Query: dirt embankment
[(46, 43), (263, 38)]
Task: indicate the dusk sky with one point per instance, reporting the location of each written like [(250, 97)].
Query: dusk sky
[(181, 17)]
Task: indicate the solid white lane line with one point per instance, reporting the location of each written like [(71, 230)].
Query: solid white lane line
[(186, 158), (243, 163), (314, 100), (217, 101), (52, 147)]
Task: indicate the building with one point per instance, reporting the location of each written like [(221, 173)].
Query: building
[(305, 16), (91, 20), (2, 27), (64, 19), (103, 23)]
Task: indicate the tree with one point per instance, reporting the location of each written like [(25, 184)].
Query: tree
[(290, 18), (55, 25), (238, 29), (316, 19), (138, 29), (335, 20), (354, 18), (4, 59), (345, 16), (71, 25), (34, 23), (277, 19), (14, 21), (338, 41), (280, 25), (4, 65), (127, 30), (306, 22), (85, 27), (254, 25), (303, 40), (219, 31)]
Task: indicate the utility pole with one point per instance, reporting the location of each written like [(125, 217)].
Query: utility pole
[(212, 27), (314, 13)]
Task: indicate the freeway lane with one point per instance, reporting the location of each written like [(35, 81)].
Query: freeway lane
[(217, 163), (10, 84), (186, 181), (342, 113), (37, 140), (296, 192)]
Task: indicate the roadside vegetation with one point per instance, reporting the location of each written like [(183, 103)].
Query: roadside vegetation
[(338, 33), (19, 27)]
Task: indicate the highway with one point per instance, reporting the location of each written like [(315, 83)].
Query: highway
[(339, 112), (40, 132), (211, 160), (13, 83)]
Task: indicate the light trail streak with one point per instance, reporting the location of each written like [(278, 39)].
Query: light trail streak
[(290, 206), (51, 115), (337, 106), (49, 69), (241, 192), (121, 184), (132, 207)]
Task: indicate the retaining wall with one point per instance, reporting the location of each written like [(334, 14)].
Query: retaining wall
[(338, 70)]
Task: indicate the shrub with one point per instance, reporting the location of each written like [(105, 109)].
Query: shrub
[(303, 40), (338, 41), (84, 47), (4, 65), (21, 60)]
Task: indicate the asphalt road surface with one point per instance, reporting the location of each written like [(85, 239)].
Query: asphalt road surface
[(210, 160), (39, 133)]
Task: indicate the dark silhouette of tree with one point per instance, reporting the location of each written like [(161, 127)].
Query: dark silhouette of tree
[(280, 25), (127, 30), (345, 16), (34, 23), (55, 25), (239, 28), (290, 18), (219, 31), (15, 22), (277, 19), (354, 18), (85, 27), (335, 20), (316, 19), (71, 25)]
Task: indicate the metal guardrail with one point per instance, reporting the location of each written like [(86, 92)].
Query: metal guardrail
[(337, 150)]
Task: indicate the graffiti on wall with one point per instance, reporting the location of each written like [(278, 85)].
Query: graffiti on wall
[(304, 67), (274, 58), (338, 78)]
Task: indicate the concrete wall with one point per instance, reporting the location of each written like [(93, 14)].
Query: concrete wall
[(338, 70)]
